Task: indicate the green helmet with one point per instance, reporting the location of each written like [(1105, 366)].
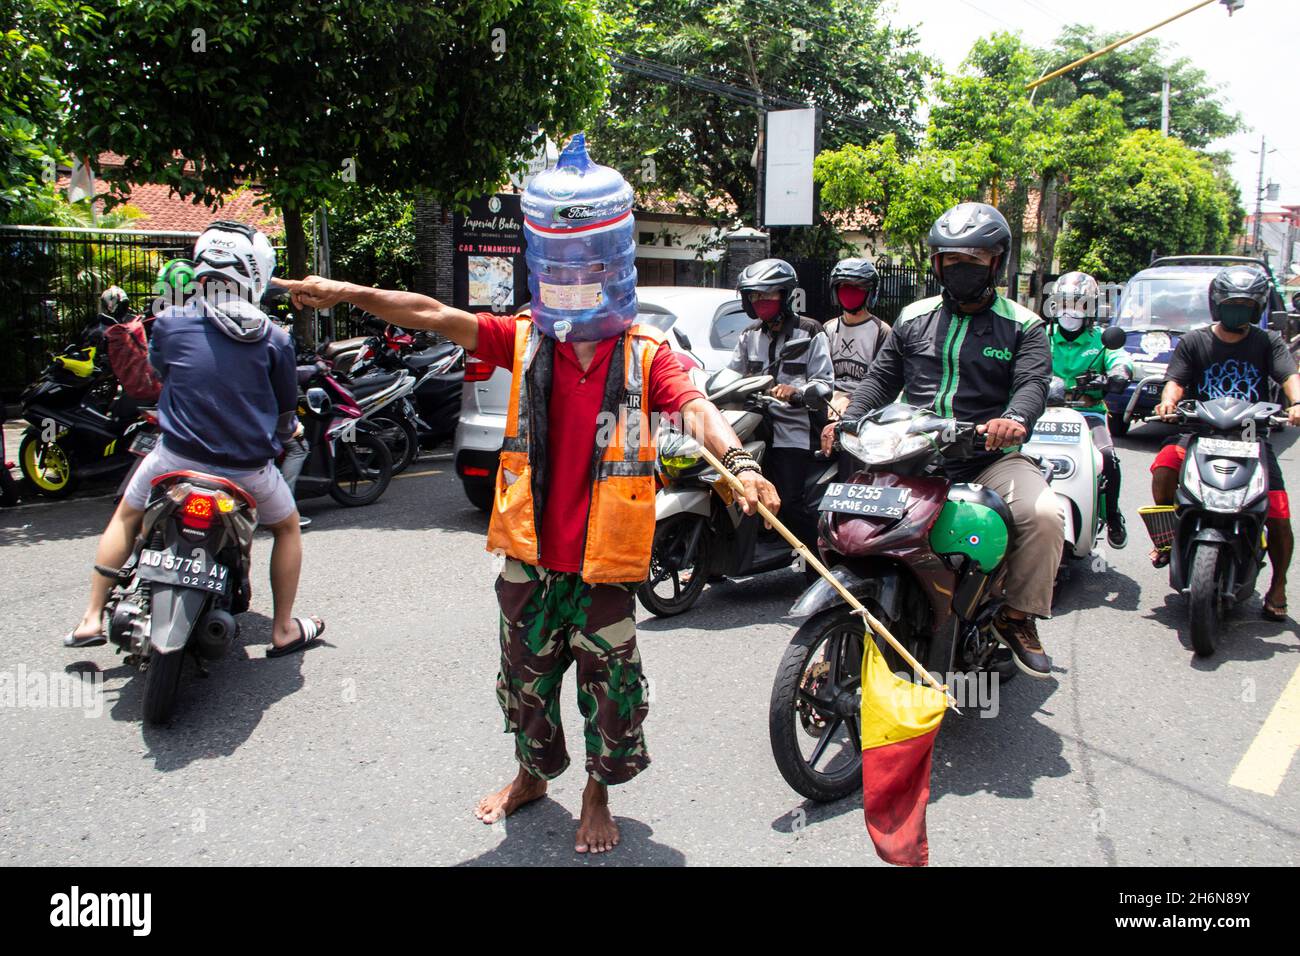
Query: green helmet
[(175, 279)]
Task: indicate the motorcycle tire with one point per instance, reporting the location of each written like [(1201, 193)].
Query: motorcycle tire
[(402, 439), (162, 682), (786, 722), (673, 532), (56, 476), (1117, 426), (1204, 605), (369, 451)]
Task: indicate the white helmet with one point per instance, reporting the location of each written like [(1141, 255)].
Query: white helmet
[(237, 253)]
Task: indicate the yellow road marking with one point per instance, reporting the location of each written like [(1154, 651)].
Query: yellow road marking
[(1266, 762), (417, 474)]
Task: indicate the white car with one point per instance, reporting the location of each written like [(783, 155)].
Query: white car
[(704, 323)]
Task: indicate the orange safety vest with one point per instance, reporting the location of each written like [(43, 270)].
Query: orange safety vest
[(621, 517)]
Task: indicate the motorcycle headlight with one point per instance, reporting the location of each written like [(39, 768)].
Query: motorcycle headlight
[(678, 452), (1225, 501), (877, 444)]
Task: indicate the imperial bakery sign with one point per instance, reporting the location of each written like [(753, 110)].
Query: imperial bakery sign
[(489, 273)]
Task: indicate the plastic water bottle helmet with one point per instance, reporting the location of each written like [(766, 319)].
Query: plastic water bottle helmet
[(238, 254), (767, 275), (848, 274), (580, 246), (1238, 296), (969, 227), (1074, 303)]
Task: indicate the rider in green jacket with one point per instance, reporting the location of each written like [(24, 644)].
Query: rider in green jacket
[(1089, 368)]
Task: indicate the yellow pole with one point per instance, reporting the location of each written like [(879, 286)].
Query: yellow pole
[(811, 558), (1106, 49)]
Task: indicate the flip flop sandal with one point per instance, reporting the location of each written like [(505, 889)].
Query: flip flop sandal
[(309, 633), (91, 640), (1274, 612), (1160, 559)]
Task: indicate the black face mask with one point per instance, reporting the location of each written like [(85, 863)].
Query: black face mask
[(967, 282), (1236, 316)]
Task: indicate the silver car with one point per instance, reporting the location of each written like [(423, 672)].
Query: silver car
[(704, 323)]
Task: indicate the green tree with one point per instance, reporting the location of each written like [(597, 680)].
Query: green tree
[(304, 98), (1156, 196), (1197, 113), (696, 147), (904, 194), (32, 35), (372, 238)]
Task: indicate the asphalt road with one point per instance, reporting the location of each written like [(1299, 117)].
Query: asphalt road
[(375, 747)]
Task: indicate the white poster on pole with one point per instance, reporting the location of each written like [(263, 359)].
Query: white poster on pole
[(788, 176)]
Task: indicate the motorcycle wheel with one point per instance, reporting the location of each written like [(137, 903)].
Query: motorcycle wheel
[(362, 471), (815, 697), (161, 682), (47, 465), (669, 565), (401, 438), (1117, 426), (1204, 605)]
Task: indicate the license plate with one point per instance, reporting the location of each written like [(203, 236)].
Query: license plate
[(1226, 448), (1152, 389), (868, 501), (195, 571), (1059, 432), (144, 443)]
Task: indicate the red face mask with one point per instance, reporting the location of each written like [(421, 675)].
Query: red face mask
[(767, 309), (851, 297)]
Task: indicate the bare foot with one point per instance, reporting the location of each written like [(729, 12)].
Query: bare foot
[(525, 788), (597, 831), (90, 625)]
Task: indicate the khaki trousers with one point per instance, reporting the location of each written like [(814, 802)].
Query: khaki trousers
[(1039, 533)]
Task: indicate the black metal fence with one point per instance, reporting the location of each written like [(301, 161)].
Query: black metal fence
[(900, 285)]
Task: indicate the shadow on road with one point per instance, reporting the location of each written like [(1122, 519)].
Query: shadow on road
[(541, 834), (1245, 635)]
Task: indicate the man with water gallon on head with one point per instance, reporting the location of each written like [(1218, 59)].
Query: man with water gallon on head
[(974, 355), (574, 509)]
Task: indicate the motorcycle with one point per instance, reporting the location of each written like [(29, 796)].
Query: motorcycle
[(1216, 527), (185, 581), (346, 457), (925, 555), (1072, 465), (700, 530), (80, 424)]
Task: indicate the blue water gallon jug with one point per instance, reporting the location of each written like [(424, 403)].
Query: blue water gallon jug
[(580, 245)]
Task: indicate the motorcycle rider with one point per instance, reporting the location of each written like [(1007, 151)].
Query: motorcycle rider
[(856, 335), (974, 355), (1235, 357), (1077, 352), (229, 397), (765, 289)]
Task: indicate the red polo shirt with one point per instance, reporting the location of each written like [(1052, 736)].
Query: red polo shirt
[(571, 427)]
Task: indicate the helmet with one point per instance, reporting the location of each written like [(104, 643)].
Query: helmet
[(968, 227), (1239, 296), (1074, 303), (580, 245), (236, 253), (174, 279), (857, 272), (114, 303), (766, 275)]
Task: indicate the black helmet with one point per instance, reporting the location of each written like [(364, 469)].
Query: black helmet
[(766, 275), (1239, 296), (970, 225), (858, 272)]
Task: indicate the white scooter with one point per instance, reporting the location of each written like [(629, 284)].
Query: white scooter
[(1072, 464)]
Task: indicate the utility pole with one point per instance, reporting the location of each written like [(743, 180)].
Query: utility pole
[(1259, 196), (1164, 105)]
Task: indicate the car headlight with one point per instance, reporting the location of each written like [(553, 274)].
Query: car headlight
[(877, 444)]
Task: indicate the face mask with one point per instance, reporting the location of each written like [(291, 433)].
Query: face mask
[(1235, 316), (767, 309), (851, 297), (1071, 326), (966, 281)]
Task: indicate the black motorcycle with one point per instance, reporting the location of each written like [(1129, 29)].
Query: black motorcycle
[(346, 457), (1218, 531)]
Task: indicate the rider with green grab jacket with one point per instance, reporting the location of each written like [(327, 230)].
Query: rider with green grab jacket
[(1089, 369)]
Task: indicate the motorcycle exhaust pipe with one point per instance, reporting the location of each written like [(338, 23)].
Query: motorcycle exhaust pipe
[(215, 633)]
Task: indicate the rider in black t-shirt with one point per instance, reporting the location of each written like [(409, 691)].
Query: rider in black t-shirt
[(1236, 357)]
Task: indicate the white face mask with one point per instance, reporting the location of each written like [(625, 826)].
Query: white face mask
[(1071, 323)]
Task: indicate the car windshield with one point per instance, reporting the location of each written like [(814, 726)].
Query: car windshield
[(730, 321), (1179, 303)]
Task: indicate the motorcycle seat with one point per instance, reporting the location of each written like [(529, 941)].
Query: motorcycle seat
[(415, 362), (370, 384), (335, 349)]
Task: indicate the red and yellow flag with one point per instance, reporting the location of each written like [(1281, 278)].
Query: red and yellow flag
[(899, 723)]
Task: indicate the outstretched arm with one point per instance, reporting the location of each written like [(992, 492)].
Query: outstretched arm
[(407, 309)]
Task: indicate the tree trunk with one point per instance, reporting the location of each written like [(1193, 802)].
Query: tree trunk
[(428, 218), (295, 248), (1014, 209), (1049, 226)]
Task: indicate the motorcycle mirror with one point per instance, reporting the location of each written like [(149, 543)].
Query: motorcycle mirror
[(795, 349), (1113, 337), (817, 396), (374, 324), (318, 401), (683, 339)]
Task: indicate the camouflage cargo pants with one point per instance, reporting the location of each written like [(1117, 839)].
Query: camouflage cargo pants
[(550, 619)]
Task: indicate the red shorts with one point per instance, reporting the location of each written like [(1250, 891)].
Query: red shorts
[(1279, 505)]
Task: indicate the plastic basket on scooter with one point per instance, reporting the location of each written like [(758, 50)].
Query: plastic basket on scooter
[(1160, 523)]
